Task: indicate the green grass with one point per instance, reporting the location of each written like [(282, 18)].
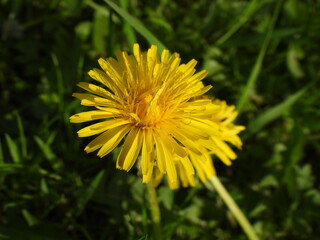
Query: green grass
[(262, 56)]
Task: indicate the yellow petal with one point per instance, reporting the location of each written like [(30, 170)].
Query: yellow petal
[(188, 69), (161, 163), (130, 150), (91, 100), (167, 151), (177, 148), (182, 175), (113, 139), (208, 164), (222, 156), (185, 162), (198, 76), (110, 139), (90, 115), (112, 68), (197, 162), (136, 52), (101, 127), (86, 99), (105, 79), (186, 178), (152, 56), (147, 149), (193, 133), (203, 165), (191, 145), (96, 90), (225, 148), (165, 56), (146, 178)]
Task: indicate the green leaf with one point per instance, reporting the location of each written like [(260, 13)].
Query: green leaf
[(258, 210), (305, 179), (44, 186), (294, 53), (30, 219), (59, 76), (23, 140), (249, 88), (100, 31), (9, 168), (13, 149), (88, 193), (269, 181), (136, 24), (1, 153), (252, 6), (127, 29), (83, 30), (273, 113), (166, 196), (48, 153)]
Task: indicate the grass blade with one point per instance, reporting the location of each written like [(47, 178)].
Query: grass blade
[(88, 193), (23, 140), (258, 64), (1, 153), (48, 153), (9, 168), (59, 76), (14, 152), (275, 112), (250, 9), (127, 29), (30, 219), (136, 24)]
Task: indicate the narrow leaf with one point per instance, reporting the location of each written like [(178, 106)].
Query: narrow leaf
[(127, 29), (249, 88), (45, 148), (9, 168), (48, 153), (1, 153), (275, 112), (13, 149), (30, 219), (136, 24), (88, 193), (44, 186), (23, 140), (252, 6)]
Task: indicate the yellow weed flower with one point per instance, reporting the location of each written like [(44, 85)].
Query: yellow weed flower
[(152, 103)]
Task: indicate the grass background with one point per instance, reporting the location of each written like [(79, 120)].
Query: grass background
[(261, 55)]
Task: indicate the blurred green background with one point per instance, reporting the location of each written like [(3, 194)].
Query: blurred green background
[(261, 55)]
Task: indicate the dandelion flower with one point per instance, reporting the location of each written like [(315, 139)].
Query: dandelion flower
[(152, 104)]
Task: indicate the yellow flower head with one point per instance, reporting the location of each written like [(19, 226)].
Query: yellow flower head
[(153, 103)]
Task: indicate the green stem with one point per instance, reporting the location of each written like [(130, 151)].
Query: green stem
[(155, 212), (233, 207)]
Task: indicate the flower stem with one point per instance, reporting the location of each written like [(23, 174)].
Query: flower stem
[(233, 207), (155, 211)]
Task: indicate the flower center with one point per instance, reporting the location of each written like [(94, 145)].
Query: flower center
[(147, 113)]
